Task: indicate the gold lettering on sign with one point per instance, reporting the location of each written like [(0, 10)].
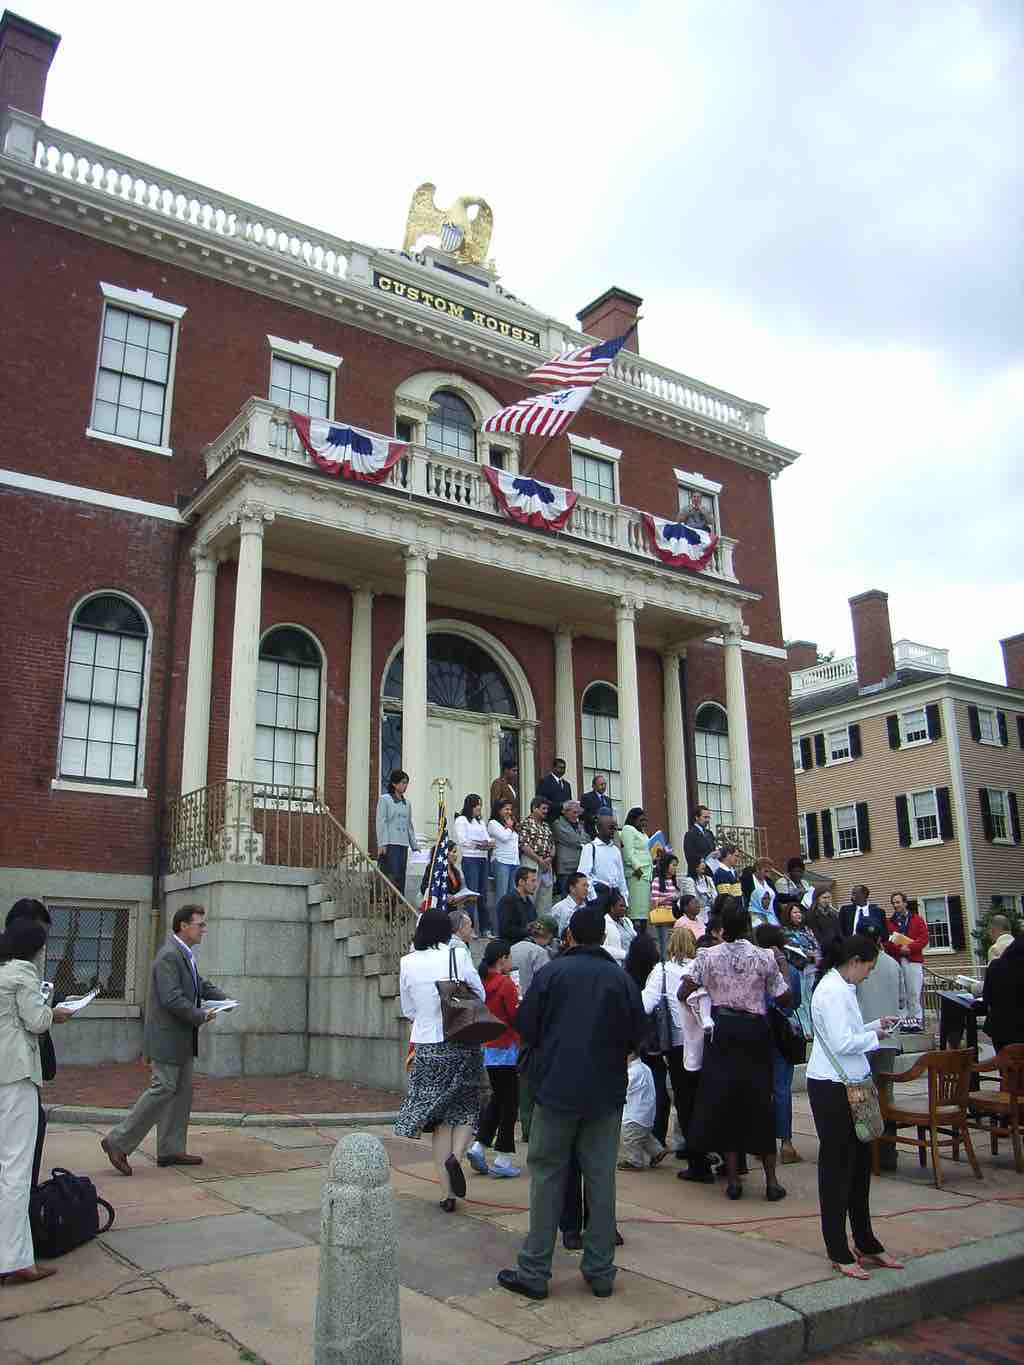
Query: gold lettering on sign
[(459, 311)]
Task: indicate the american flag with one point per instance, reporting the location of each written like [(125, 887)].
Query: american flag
[(585, 365), (545, 414), (437, 895)]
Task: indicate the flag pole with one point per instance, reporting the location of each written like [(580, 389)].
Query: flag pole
[(536, 459)]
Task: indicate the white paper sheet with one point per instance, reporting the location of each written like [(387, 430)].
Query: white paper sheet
[(74, 1005)]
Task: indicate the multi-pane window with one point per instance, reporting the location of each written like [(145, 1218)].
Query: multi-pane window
[(103, 692), (838, 745), (288, 710), (89, 948), (133, 377), (451, 427), (600, 730), (404, 430), (592, 476), (998, 813), (914, 725), (924, 815), (798, 765), (300, 388), (936, 915), (987, 726), (714, 774), (801, 821), (706, 503), (847, 840)]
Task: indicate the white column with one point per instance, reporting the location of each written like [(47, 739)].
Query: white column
[(245, 643), (414, 687), (629, 702), (739, 736), (527, 768), (675, 749), (494, 742), (565, 708), (195, 750), (357, 749)]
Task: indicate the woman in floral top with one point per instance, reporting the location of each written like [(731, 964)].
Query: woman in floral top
[(734, 1112), (537, 849)]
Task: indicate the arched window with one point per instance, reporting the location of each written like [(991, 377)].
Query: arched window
[(600, 727), (103, 692), (288, 709), (451, 427), (714, 776)]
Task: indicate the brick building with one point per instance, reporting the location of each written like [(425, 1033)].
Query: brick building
[(191, 604), (908, 777)]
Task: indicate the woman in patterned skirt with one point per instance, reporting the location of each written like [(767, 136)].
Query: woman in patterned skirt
[(446, 1080)]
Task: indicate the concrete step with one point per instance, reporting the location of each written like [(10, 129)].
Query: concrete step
[(387, 985), (355, 946), (347, 926), (315, 894)]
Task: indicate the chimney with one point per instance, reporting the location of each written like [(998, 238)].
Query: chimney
[(1013, 660), (612, 314), (872, 638), (801, 654), (26, 51)]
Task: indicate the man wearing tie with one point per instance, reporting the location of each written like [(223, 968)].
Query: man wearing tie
[(555, 790), (171, 1042), (596, 802), (698, 841), (860, 912)]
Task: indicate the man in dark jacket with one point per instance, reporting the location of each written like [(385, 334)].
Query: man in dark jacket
[(515, 911), (860, 912), (555, 790), (582, 1016), (596, 802), (698, 841)]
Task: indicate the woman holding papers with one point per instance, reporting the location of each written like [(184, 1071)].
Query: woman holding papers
[(24, 1016), (908, 938)]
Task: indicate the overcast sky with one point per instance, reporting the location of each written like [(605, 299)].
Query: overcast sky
[(819, 202)]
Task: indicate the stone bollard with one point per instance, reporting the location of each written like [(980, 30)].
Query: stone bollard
[(357, 1317)]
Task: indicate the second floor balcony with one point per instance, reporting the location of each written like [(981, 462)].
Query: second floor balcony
[(458, 485)]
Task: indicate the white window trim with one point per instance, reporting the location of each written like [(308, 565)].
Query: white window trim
[(412, 403), (1004, 792), (305, 353), (118, 1006), (798, 763), (831, 762), (915, 842), (802, 836), (837, 852), (940, 951), (139, 301), (321, 739), (995, 742), (698, 482), (62, 783), (1016, 896), (590, 445), (913, 743)]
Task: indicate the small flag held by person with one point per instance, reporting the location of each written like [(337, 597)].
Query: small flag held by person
[(545, 414), (437, 892), (582, 365)]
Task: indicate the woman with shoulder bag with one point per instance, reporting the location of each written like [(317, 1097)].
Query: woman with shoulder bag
[(446, 1078), (501, 1058), (838, 1065)]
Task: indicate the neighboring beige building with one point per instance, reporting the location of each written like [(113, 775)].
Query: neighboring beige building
[(908, 777)]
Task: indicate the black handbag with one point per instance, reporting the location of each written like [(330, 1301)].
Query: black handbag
[(64, 1212), (465, 1017), (790, 1043), (661, 1020)]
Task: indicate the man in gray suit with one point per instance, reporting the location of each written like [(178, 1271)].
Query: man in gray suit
[(170, 1041)]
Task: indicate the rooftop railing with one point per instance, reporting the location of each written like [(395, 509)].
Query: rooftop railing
[(906, 654)]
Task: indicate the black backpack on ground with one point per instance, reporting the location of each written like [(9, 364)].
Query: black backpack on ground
[(64, 1212)]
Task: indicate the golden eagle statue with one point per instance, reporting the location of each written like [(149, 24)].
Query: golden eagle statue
[(462, 237)]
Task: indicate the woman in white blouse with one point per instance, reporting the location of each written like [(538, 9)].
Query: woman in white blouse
[(474, 849), (446, 1079), (501, 828), (841, 1043)]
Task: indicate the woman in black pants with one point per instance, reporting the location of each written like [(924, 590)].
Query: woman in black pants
[(498, 1120), (642, 958), (839, 1057)]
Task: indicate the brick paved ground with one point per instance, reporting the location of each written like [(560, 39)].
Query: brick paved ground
[(992, 1333), (116, 1085)]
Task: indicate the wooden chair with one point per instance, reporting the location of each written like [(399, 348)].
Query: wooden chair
[(1004, 1108), (942, 1121)]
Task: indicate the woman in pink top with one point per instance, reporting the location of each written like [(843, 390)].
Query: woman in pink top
[(734, 1111)]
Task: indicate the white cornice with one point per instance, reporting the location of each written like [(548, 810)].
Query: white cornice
[(907, 697), (28, 483)]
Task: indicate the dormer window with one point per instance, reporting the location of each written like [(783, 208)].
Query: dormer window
[(451, 427)]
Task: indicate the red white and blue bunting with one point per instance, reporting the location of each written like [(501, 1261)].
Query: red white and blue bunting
[(677, 544), (348, 452), (529, 501)]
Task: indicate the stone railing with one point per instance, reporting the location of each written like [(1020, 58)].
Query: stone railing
[(172, 199), (910, 655), (823, 676), (702, 400), (261, 428)]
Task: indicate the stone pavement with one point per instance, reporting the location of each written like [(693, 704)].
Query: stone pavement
[(220, 1261), (992, 1333)]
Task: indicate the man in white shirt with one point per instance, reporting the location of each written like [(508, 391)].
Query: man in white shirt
[(601, 860), (999, 928), (640, 1148), (619, 931), (562, 911)]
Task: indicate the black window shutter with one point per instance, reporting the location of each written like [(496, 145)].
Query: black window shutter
[(819, 750), (903, 821), (1020, 730), (945, 812), (806, 757), (972, 719), (892, 724), (986, 815), (826, 834), (1004, 738), (813, 844), (956, 923), (934, 722), (863, 827), (855, 749), (1011, 801)]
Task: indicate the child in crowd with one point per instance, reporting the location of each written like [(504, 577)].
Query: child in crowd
[(640, 1148)]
